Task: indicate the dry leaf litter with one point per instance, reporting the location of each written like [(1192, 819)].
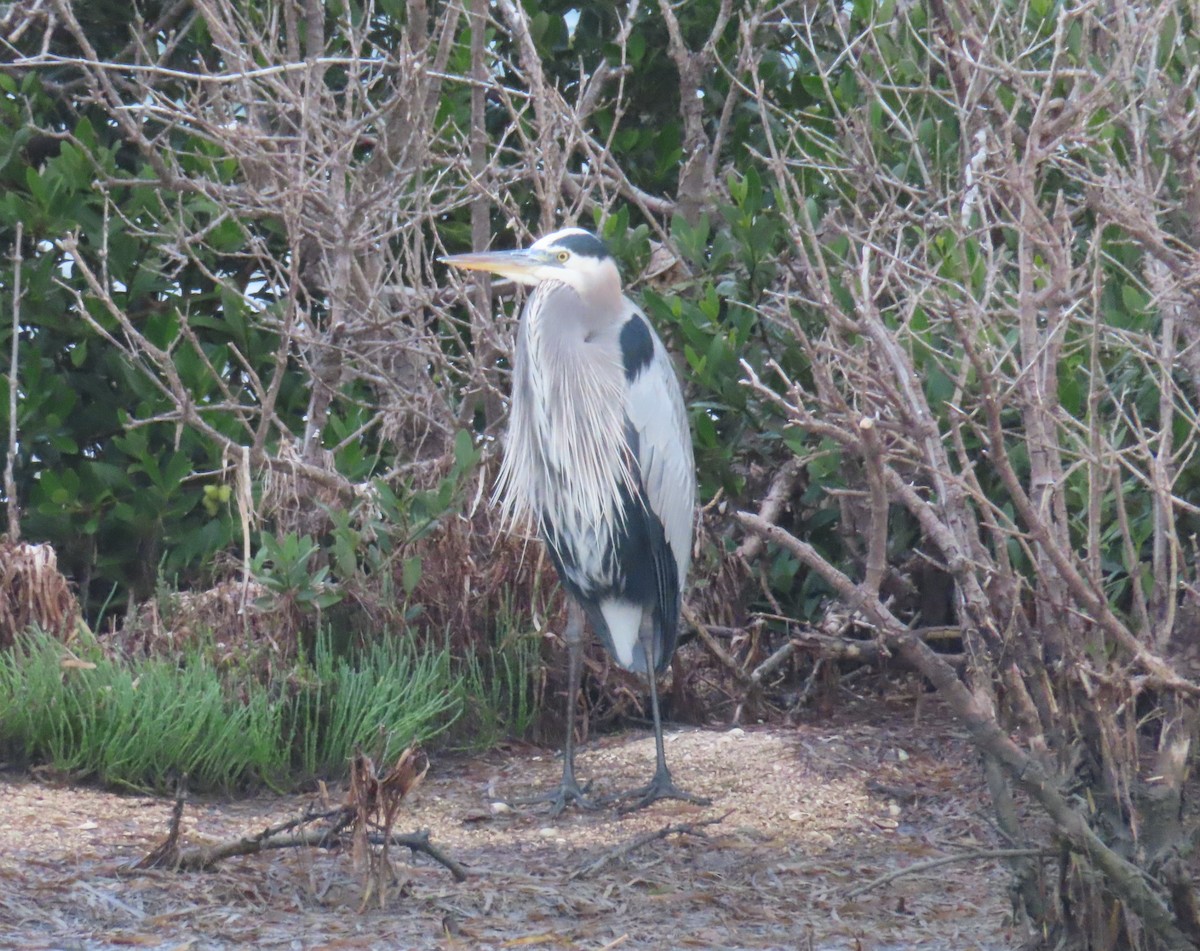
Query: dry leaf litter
[(805, 814)]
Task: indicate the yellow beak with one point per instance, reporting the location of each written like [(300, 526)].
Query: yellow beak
[(520, 265)]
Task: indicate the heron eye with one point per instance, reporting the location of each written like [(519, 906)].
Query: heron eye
[(564, 257)]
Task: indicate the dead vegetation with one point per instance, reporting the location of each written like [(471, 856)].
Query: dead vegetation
[(33, 593), (364, 823), (796, 825), (234, 616)]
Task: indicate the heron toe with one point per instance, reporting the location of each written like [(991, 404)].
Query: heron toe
[(560, 797), (662, 786)]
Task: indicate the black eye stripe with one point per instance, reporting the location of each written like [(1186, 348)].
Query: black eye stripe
[(584, 244)]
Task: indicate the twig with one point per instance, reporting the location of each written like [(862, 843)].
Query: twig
[(977, 854), (772, 662), (419, 842), (809, 685), (281, 835), (625, 848), (772, 506), (204, 859), (726, 659), (166, 853), (95, 62), (10, 485), (273, 837), (877, 537)]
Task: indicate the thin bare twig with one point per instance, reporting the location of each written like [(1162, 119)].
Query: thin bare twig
[(977, 855), (639, 841), (10, 484)]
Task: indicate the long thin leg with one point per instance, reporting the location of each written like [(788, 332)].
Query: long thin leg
[(569, 789), (661, 786), (573, 635)]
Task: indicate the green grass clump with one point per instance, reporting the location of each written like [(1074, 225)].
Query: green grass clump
[(390, 696), (139, 723), (497, 693), (135, 725)]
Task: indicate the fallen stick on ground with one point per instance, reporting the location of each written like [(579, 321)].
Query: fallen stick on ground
[(368, 814), (973, 856), (625, 848), (203, 859)]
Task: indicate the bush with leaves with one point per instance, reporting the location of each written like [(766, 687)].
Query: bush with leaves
[(930, 274), (993, 289)]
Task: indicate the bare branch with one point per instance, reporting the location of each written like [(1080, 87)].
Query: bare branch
[(12, 504)]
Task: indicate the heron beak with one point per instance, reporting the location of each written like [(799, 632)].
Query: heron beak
[(520, 266)]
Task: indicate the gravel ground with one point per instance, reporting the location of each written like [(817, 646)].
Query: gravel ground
[(803, 817)]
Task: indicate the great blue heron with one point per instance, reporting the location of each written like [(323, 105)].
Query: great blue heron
[(599, 457)]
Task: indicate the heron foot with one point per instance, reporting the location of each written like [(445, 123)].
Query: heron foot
[(662, 786), (567, 792)]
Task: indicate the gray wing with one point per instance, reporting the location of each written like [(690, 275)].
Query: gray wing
[(656, 412)]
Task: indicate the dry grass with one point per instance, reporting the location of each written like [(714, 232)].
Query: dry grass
[(34, 592), (475, 571), (235, 617)]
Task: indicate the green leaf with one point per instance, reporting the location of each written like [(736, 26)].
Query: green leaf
[(465, 452), (1134, 300), (411, 574), (827, 461), (328, 599), (64, 443), (635, 49), (796, 440), (704, 430)]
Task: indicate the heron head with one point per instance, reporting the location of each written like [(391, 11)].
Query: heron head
[(571, 256)]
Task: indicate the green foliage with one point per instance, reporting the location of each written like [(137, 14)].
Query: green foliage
[(138, 726), (142, 722), (496, 691), (286, 568), (713, 318), (118, 502), (360, 553), (383, 699)]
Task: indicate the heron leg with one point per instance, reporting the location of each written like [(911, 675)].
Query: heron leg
[(661, 786), (568, 790)]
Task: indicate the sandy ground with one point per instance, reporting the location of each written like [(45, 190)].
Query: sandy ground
[(807, 815)]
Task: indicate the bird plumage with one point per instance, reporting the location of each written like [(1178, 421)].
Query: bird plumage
[(598, 457)]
